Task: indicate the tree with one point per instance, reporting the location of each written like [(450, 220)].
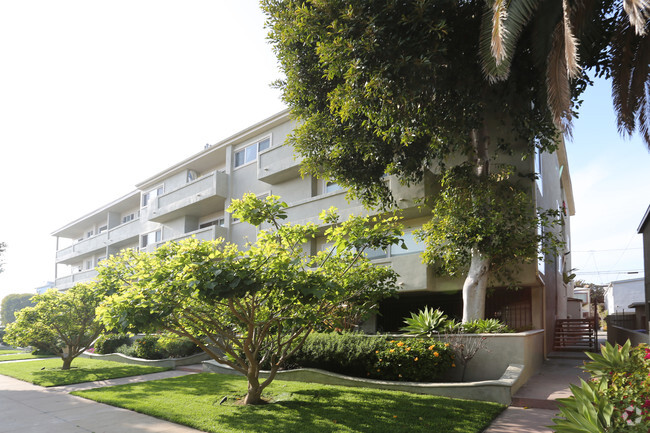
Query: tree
[(252, 307), (395, 88), (3, 248), (63, 323), (13, 303)]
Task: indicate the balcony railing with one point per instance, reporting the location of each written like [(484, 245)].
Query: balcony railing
[(70, 280), (206, 194), (278, 164)]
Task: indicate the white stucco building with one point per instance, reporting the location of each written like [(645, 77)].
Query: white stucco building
[(190, 199), (621, 294)]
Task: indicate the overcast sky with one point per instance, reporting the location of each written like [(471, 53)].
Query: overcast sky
[(97, 96)]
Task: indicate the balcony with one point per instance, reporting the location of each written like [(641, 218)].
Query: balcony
[(278, 165), (87, 246), (205, 195), (124, 233), (307, 211), (68, 281), (206, 234)]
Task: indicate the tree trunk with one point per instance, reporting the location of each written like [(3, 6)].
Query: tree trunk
[(254, 395), (475, 287), (67, 361)]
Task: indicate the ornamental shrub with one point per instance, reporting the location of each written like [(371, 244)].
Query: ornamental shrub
[(485, 326), (413, 359), (147, 347), (126, 350), (108, 343), (616, 399), (348, 353), (173, 346)]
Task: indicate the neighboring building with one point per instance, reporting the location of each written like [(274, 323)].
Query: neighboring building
[(190, 198), (49, 285), (644, 229), (620, 295)]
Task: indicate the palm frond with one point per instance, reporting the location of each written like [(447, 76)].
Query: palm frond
[(638, 11), (622, 61), (570, 44), (558, 91), (644, 117), (501, 27)]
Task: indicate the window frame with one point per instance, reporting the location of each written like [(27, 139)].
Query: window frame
[(254, 156)]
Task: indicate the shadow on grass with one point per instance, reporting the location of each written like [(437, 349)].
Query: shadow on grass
[(296, 407)]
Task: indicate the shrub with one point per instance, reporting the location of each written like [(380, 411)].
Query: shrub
[(617, 398), (127, 350), (108, 343), (147, 347), (173, 346), (427, 322), (413, 359), (347, 353), (485, 326)]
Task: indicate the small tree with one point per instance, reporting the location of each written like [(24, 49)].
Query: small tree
[(13, 303), (63, 323), (253, 307)]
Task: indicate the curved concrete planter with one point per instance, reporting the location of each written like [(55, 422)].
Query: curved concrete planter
[(495, 374), (169, 363), (498, 391)]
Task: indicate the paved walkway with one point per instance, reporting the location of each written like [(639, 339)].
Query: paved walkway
[(28, 408)]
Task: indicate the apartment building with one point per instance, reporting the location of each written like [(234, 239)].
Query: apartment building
[(191, 198)]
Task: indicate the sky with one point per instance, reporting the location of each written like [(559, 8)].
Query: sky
[(98, 96)]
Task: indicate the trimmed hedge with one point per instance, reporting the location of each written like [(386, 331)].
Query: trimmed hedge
[(353, 354), (108, 343)]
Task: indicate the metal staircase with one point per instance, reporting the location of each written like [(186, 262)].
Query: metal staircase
[(575, 335)]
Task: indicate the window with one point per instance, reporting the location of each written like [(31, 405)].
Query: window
[(249, 153), (538, 171), (150, 195), (375, 253), (411, 243), (219, 222), (102, 229), (150, 238), (90, 233), (88, 264), (127, 218), (332, 186), (192, 175)]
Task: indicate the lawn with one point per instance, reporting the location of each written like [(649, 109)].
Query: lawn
[(195, 401), (18, 355), (48, 371)]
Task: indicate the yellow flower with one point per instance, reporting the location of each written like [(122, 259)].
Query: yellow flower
[(446, 344), (392, 350), (436, 354), (376, 351), (392, 341), (431, 347), (453, 365), (416, 359), (380, 360), (378, 370), (400, 344), (408, 348)]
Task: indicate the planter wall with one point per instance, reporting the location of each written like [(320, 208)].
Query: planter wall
[(170, 362), (619, 335)]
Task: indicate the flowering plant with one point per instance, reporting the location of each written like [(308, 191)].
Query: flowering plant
[(413, 359), (617, 398)]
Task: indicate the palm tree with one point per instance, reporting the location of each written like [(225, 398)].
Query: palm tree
[(627, 52)]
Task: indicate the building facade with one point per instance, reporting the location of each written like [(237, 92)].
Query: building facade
[(191, 198)]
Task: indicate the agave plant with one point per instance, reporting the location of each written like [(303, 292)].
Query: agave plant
[(485, 326), (426, 322)]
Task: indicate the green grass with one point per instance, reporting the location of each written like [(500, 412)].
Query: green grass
[(194, 400), (48, 372), (18, 355)]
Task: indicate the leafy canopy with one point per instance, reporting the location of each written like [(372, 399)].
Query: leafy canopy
[(12, 304), (249, 307), (63, 323)]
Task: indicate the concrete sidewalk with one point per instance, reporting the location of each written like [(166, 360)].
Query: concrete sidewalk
[(534, 405), (28, 408)]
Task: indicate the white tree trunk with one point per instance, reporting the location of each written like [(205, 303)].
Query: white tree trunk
[(475, 287)]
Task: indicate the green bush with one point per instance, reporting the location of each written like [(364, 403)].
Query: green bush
[(413, 359), (616, 399), (147, 347), (428, 322), (127, 350), (485, 326), (347, 353), (173, 346), (108, 343)]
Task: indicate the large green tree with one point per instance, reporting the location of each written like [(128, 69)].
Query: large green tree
[(13, 303), (63, 323), (247, 308), (398, 88)]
